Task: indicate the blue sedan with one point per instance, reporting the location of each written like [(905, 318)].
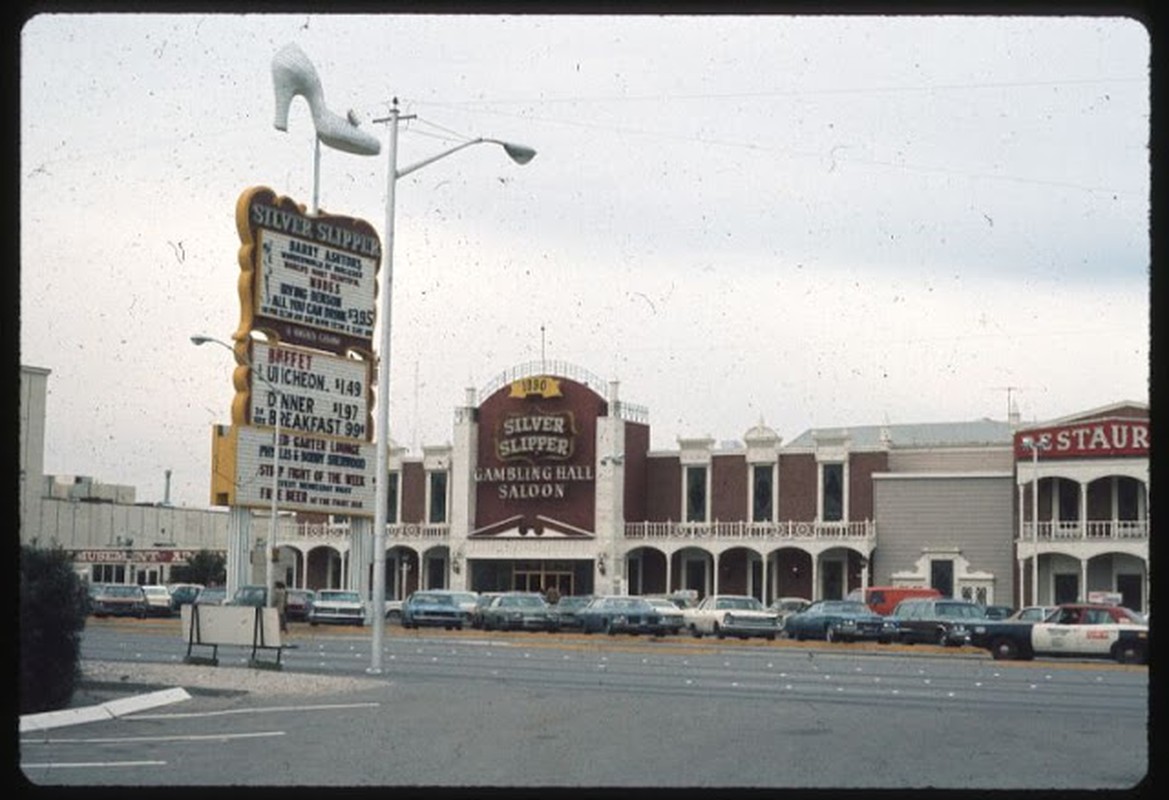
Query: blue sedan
[(621, 614), (839, 621)]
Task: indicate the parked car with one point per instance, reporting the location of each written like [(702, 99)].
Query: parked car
[(339, 606), (1031, 614), (945, 622), (565, 612), (839, 620), (182, 594), (620, 614), (786, 606), (438, 608), (393, 609), (997, 612), (252, 595), (298, 603), (92, 590), (517, 611), (672, 621), (485, 599), (1074, 629), (119, 600), (731, 615), (883, 599), (158, 601), (211, 596)]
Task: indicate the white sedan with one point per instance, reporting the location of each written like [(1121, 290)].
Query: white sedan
[(731, 615), (337, 605)]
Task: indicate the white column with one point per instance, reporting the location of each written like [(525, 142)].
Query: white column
[(1084, 581), (669, 567), (1083, 510), (763, 580), (714, 577)]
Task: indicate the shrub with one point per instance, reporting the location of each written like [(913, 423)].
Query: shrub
[(52, 616)]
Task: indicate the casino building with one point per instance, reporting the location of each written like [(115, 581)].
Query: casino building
[(549, 480)]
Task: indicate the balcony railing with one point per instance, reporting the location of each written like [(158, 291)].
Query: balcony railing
[(1090, 531), (402, 530), (752, 531)]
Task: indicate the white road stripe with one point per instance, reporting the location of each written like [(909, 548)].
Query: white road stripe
[(263, 710), (190, 737), (91, 764)]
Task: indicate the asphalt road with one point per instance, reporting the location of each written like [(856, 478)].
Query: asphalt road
[(532, 710)]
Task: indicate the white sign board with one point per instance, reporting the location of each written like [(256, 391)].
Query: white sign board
[(230, 625), (317, 474), (319, 393), (308, 283)]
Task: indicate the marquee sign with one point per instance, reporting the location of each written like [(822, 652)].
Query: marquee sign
[(121, 555), (317, 473), (536, 436), (312, 280), (318, 393), (1104, 438)]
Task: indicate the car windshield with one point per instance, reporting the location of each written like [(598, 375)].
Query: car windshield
[(344, 597), (465, 597), (961, 610), (156, 591), (844, 607), (741, 603), (577, 601), (522, 601), (123, 591), (434, 599)]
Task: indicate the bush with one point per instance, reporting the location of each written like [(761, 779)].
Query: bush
[(52, 616)]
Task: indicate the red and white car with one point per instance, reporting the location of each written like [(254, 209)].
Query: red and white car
[(1072, 629)]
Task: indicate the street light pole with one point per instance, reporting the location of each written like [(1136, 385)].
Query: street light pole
[(275, 507), (519, 154)]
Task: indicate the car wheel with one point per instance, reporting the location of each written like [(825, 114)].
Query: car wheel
[(771, 637), (829, 634), (313, 622), (1129, 653), (943, 638), (718, 631), (607, 626), (1004, 650), (394, 616), (695, 632)]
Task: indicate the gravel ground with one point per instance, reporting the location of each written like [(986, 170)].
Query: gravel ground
[(99, 676)]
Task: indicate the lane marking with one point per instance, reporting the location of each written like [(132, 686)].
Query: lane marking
[(91, 764), (186, 737), (261, 710)]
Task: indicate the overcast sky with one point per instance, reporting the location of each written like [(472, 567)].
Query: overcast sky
[(810, 221)]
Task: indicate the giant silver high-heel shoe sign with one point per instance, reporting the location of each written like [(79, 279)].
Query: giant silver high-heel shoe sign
[(293, 74)]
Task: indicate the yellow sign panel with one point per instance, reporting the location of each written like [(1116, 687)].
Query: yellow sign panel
[(541, 385)]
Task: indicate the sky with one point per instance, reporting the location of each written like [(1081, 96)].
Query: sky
[(813, 222)]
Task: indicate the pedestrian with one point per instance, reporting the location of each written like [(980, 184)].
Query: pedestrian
[(280, 601), (553, 595)]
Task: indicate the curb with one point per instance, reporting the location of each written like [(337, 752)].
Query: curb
[(104, 711)]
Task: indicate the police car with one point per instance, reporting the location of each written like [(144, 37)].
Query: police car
[(1072, 629)]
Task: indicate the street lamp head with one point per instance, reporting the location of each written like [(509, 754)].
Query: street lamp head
[(519, 153), (200, 339)]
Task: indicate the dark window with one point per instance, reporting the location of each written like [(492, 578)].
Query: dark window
[(438, 497), (942, 577), (1127, 503), (833, 492), (1069, 501), (761, 505), (696, 494), (392, 499)]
